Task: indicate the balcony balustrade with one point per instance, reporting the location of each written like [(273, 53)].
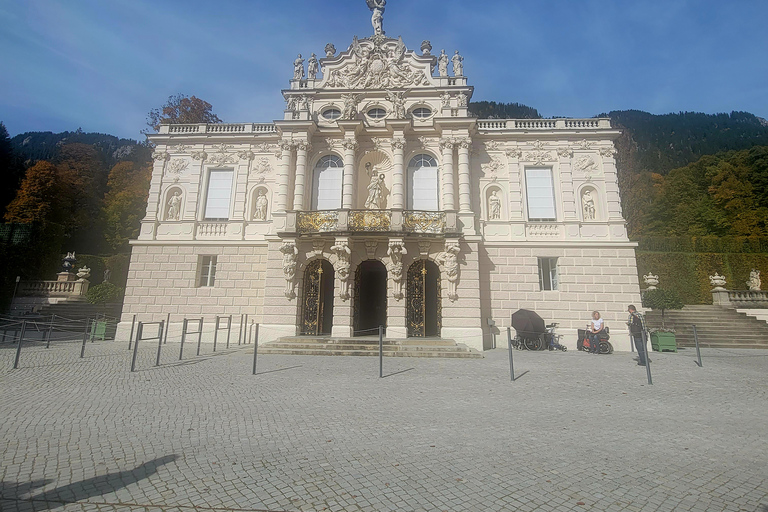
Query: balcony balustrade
[(375, 221)]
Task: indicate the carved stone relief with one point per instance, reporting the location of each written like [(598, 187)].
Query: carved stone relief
[(449, 260), (343, 254), (290, 252), (395, 251)]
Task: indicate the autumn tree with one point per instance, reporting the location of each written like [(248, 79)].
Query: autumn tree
[(37, 200), (182, 109), (125, 203), (10, 170)]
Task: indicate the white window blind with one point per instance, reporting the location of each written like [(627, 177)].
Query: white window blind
[(219, 194), (541, 194), (424, 184), (328, 183)]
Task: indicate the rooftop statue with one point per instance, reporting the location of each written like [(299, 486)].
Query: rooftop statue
[(377, 18)]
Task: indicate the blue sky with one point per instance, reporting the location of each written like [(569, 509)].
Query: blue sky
[(103, 64)]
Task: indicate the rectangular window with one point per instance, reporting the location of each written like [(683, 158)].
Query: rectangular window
[(541, 194), (219, 195), (207, 271), (547, 274)]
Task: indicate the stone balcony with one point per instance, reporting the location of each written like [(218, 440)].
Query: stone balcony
[(372, 221)]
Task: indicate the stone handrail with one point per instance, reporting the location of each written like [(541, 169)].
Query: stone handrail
[(740, 299), (219, 128), (52, 288), (367, 221), (542, 124), (212, 229)]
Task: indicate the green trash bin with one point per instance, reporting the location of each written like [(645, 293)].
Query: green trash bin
[(98, 330), (663, 341)]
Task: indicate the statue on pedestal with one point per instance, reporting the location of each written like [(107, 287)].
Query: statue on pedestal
[(375, 189), (260, 213), (312, 68), (442, 64), (494, 207), (754, 281), (458, 64), (298, 68), (588, 205)]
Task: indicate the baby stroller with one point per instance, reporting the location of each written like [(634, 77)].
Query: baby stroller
[(584, 343), (532, 333)]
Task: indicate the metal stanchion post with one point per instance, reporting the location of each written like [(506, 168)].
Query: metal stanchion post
[(160, 341), (381, 351), (511, 360), (167, 327), (200, 335), (85, 337), (130, 338), (255, 349), (21, 340), (183, 336), (139, 332), (647, 358), (216, 334), (240, 329), (49, 334), (698, 351), (250, 333), (229, 329)]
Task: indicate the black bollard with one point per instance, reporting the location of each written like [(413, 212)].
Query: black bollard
[(698, 352), (21, 340), (381, 351), (130, 338), (160, 341), (139, 332), (647, 358), (511, 360), (216, 334), (167, 326), (85, 338), (255, 348), (229, 329), (183, 336)]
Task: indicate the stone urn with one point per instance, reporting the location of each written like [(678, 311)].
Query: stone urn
[(718, 282), (84, 273), (651, 281)]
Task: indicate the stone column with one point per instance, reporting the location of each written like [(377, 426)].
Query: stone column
[(465, 183), (515, 203), (301, 169), (449, 203), (348, 194), (283, 177), (398, 175)]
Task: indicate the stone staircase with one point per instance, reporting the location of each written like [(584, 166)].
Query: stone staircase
[(369, 346), (716, 327)]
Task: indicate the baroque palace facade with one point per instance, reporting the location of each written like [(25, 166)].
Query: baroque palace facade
[(378, 200)]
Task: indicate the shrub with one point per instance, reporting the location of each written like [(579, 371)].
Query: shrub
[(662, 299), (104, 293)]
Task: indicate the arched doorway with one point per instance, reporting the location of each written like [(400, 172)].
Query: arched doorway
[(317, 303), (424, 313), (370, 297)]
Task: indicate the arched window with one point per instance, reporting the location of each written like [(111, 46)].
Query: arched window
[(423, 184), (328, 179)]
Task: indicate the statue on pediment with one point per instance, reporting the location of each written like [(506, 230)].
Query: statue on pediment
[(442, 64), (458, 64), (312, 68), (377, 15), (298, 68)]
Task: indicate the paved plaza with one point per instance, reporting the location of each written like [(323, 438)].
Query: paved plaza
[(574, 432)]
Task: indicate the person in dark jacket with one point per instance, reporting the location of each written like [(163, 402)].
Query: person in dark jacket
[(636, 331)]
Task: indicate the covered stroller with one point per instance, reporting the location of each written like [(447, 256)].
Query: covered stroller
[(532, 333)]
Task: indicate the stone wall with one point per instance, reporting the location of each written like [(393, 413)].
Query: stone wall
[(602, 279)]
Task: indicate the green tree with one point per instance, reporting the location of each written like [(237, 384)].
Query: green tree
[(663, 300), (125, 203), (181, 109), (11, 171)]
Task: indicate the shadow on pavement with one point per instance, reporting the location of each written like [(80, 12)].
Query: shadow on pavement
[(398, 373), (85, 489)]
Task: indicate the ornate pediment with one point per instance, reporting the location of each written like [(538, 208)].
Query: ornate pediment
[(378, 63)]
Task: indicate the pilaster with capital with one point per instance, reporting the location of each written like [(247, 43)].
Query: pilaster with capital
[(398, 174), (566, 178), (283, 179), (348, 190), (449, 202), (465, 181), (515, 184), (155, 190), (301, 170), (613, 200)]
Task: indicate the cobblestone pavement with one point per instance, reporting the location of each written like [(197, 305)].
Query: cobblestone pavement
[(574, 432)]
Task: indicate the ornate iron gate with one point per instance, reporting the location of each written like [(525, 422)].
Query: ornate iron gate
[(312, 315), (423, 294)]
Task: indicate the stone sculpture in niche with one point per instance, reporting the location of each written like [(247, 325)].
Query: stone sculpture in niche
[(375, 199), (260, 211), (442, 64), (494, 206), (463, 100), (298, 68), (174, 207), (458, 64), (445, 99), (312, 68), (350, 105), (395, 252), (588, 205)]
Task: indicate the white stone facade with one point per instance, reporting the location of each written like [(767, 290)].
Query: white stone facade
[(378, 160)]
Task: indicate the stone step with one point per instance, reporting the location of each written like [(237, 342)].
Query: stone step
[(369, 346)]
